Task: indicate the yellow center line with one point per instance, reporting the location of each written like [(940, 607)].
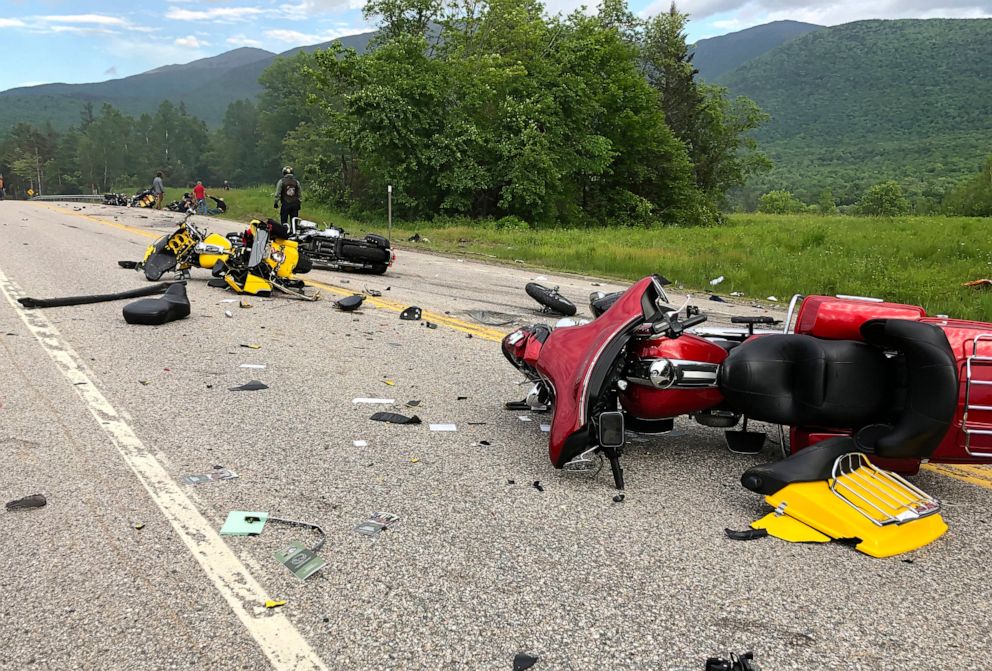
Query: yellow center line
[(971, 473), (475, 330)]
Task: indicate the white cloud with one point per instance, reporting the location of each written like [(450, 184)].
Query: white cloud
[(752, 12), (83, 30), (242, 40), (309, 8), (190, 41), (298, 38), (11, 23), (86, 19), (213, 14)]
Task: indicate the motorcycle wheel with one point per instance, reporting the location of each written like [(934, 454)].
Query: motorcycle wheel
[(550, 299), (303, 265)]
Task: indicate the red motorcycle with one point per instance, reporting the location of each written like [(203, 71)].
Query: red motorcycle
[(878, 378)]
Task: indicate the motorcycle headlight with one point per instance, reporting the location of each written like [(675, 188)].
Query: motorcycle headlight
[(278, 257)]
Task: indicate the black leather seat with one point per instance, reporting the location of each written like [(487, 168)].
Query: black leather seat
[(898, 408), (154, 311), (927, 390), (815, 462), (805, 381)]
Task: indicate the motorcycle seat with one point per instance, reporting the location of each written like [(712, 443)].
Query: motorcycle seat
[(171, 306), (813, 463), (928, 388), (800, 380)]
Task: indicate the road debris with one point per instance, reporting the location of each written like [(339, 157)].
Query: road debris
[(538, 486), (394, 418), (214, 476), (714, 297), (28, 502), (412, 404), (244, 523), (229, 314), (522, 661), (302, 562), (253, 366), (746, 534), (430, 325), (374, 401), (716, 280), (350, 303), (411, 314), (444, 427), (772, 299), (360, 443), (271, 603), (377, 523), (251, 346), (254, 385), (490, 318), (245, 305)]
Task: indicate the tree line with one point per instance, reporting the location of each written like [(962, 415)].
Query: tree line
[(493, 110)]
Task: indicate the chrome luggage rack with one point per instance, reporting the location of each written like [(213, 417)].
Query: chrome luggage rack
[(973, 361), (881, 496)]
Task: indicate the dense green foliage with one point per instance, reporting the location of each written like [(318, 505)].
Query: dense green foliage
[(884, 200), (860, 103), (497, 109), (973, 197), (780, 202)]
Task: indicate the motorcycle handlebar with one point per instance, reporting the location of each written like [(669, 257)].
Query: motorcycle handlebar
[(693, 321)]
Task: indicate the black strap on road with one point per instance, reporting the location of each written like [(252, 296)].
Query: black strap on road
[(94, 298)]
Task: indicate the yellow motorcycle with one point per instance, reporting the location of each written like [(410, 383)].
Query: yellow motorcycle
[(186, 247), (266, 259)]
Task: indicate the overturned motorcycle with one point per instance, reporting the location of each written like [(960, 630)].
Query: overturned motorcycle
[(329, 248), (859, 380), (186, 247), (265, 259)]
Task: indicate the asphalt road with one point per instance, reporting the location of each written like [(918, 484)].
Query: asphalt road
[(123, 568)]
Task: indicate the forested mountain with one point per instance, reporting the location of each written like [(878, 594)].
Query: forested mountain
[(855, 104), (716, 56), (205, 87)]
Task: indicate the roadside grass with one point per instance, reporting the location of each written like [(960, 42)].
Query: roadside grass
[(919, 260)]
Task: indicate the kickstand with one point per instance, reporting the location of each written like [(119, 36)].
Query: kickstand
[(615, 466)]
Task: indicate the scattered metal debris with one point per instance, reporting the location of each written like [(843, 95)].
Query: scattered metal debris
[(522, 661), (412, 314), (254, 385), (377, 523), (214, 476)]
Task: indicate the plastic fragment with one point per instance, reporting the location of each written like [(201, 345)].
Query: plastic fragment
[(522, 661), (360, 443), (394, 418), (538, 486), (746, 534), (28, 502), (228, 313), (274, 604), (245, 305), (251, 346), (254, 385), (716, 280), (444, 427)]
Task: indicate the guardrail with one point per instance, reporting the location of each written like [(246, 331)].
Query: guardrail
[(71, 199)]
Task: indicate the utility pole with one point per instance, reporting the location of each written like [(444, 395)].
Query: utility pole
[(389, 211)]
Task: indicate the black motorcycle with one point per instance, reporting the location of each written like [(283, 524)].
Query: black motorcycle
[(329, 248)]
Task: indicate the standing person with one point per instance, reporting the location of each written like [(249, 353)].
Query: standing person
[(158, 190), (200, 194), (227, 185), (288, 197), (3, 188)]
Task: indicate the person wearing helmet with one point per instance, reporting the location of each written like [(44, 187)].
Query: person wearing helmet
[(287, 196)]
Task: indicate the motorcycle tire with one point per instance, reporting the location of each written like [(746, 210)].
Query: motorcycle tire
[(303, 265), (359, 253), (550, 299)]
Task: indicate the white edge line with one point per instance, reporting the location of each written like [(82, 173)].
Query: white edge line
[(277, 637)]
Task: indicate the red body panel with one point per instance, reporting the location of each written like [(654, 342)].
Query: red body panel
[(841, 318), (652, 403), (567, 359)]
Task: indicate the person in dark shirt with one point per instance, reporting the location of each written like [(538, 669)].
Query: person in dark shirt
[(287, 196)]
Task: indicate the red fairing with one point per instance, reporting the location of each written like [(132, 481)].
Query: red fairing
[(647, 401), (835, 318), (567, 360)]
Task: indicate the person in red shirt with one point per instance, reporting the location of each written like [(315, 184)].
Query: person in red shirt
[(200, 194)]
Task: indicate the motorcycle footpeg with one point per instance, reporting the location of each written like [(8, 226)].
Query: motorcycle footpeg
[(589, 462)]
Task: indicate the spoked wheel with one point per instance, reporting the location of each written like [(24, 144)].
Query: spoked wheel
[(551, 299)]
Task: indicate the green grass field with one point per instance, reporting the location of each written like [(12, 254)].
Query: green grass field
[(920, 260)]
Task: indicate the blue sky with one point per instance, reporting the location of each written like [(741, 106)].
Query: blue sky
[(94, 40)]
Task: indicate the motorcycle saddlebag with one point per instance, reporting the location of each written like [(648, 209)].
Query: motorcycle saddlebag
[(359, 251), (377, 240)]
